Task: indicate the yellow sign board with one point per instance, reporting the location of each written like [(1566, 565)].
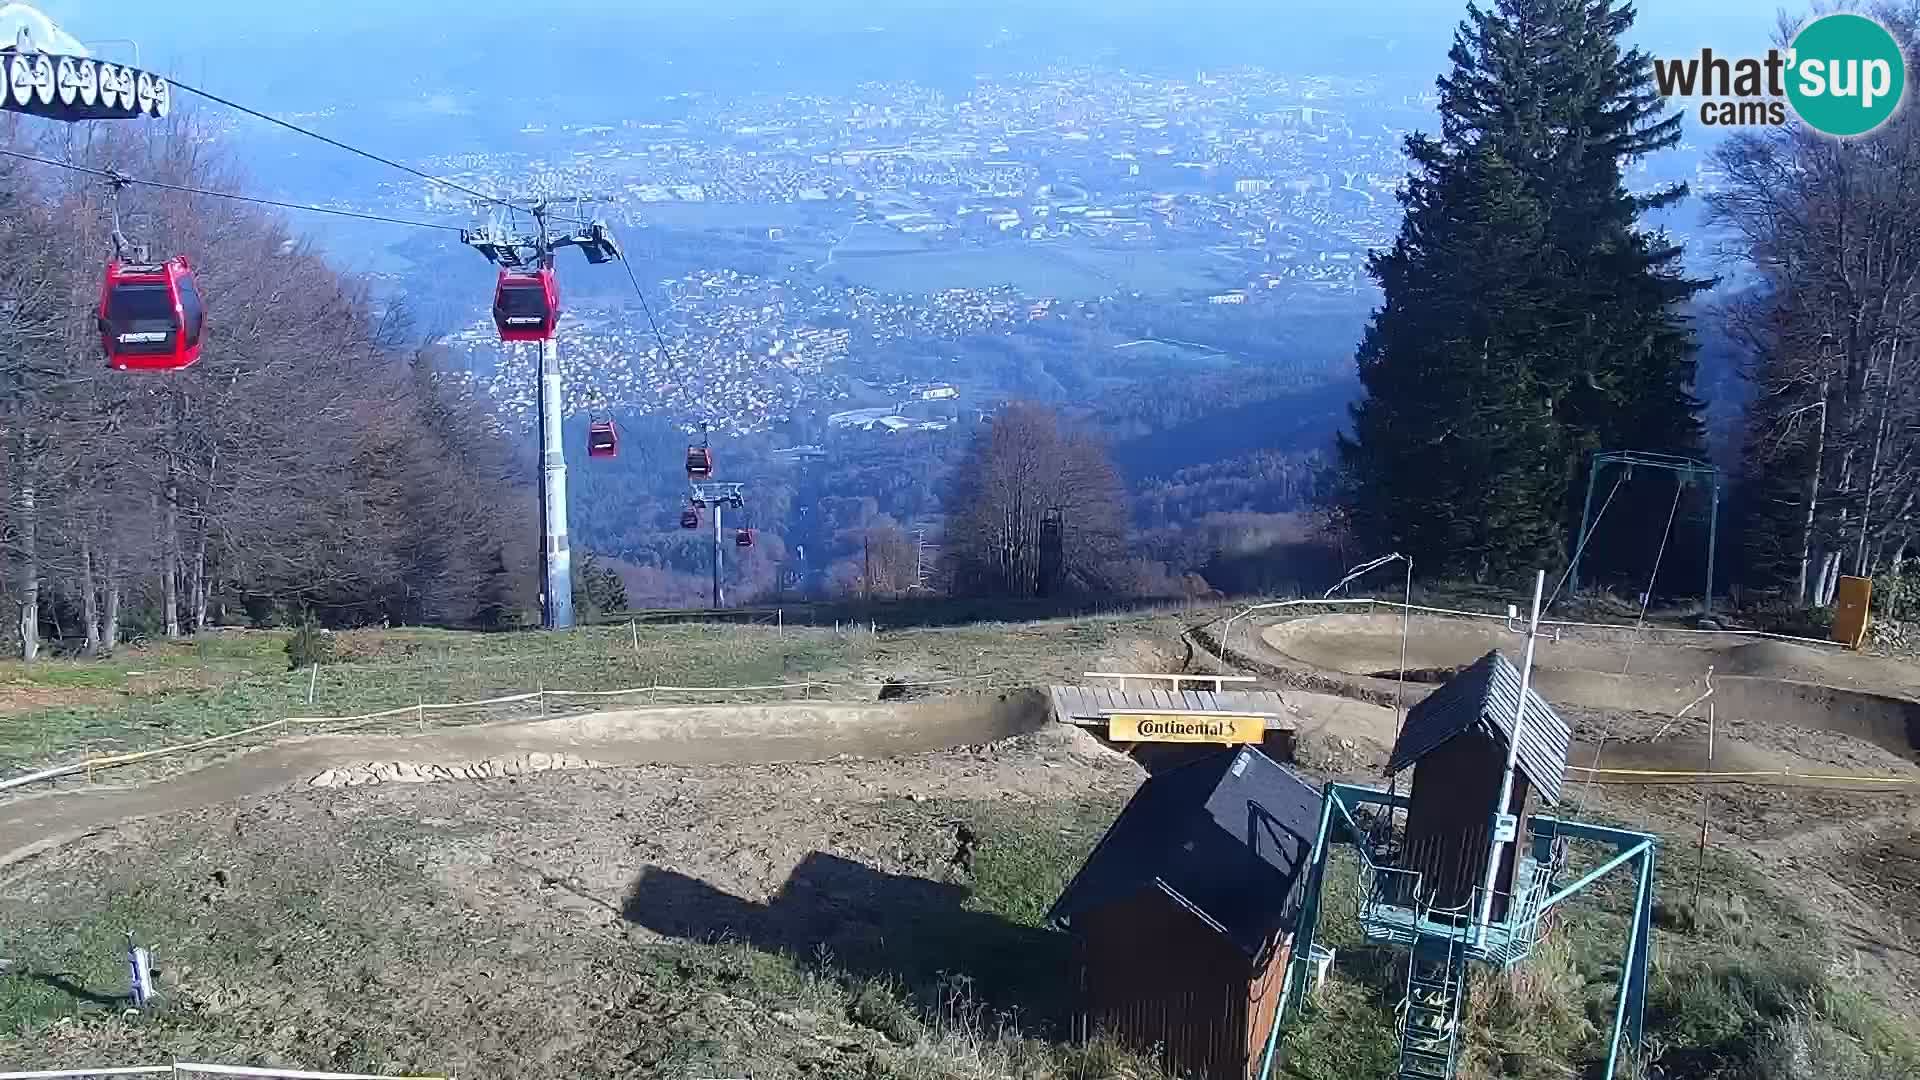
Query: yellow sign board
[(1851, 600), (1227, 728)]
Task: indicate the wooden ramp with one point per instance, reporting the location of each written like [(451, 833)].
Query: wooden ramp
[(1091, 706)]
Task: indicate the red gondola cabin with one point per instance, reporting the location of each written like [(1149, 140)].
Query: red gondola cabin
[(602, 439), (526, 305), (743, 538), (689, 519), (151, 316), (699, 462)]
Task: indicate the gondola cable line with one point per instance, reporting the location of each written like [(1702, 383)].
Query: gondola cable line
[(511, 289), (368, 154), (161, 185), (659, 338)]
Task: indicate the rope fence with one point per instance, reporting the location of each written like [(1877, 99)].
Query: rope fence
[(197, 1068), (1226, 633), (335, 724), (1682, 774)]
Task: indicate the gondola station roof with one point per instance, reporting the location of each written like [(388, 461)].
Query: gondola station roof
[(45, 71), (1486, 696), (1190, 831)]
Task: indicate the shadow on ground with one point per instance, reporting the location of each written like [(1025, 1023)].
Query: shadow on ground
[(858, 924), (68, 986)]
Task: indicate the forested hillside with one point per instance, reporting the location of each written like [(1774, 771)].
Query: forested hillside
[(310, 462)]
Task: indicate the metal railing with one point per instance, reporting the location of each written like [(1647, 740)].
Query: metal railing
[(1391, 908), (1178, 679)]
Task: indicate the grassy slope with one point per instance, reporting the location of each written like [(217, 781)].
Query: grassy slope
[(1738, 992), (286, 967)]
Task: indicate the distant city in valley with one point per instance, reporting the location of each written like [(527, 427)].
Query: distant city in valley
[(831, 253)]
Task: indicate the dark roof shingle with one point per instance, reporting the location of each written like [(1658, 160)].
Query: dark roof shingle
[(1228, 835), (1487, 695)]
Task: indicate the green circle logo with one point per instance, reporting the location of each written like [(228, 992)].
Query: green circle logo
[(1847, 74)]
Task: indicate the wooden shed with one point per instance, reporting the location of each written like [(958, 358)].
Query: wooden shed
[(1458, 739), (1183, 915)]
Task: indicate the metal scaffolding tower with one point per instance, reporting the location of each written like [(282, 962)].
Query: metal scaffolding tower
[(1419, 889), (1689, 472)]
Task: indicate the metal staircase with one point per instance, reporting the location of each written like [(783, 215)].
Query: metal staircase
[(1430, 1014)]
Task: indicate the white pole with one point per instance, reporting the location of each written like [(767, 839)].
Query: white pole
[(141, 963), (1505, 826), (557, 558), (716, 554)]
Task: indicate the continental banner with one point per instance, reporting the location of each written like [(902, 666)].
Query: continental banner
[(1227, 728)]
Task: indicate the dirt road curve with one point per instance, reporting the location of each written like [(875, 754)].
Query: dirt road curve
[(699, 735), (1755, 681)]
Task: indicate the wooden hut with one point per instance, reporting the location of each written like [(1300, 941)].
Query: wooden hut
[(1458, 737), (1183, 915)]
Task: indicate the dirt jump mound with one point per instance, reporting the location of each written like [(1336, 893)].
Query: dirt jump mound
[(688, 735)]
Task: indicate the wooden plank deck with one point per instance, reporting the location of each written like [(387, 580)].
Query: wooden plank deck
[(1091, 705)]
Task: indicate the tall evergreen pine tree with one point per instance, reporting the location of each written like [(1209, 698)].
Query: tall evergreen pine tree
[(1591, 332), (1448, 442)]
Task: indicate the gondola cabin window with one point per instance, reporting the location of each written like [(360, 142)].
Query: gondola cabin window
[(192, 311)]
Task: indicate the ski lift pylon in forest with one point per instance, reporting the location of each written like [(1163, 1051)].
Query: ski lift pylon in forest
[(526, 304), (602, 439), (151, 316)]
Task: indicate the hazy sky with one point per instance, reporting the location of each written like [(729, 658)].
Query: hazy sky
[(168, 26)]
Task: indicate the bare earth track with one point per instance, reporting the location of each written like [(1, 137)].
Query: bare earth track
[(679, 736)]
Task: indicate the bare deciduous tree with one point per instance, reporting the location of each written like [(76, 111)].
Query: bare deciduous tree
[(884, 563), (1026, 463), (1832, 461), (311, 459)]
